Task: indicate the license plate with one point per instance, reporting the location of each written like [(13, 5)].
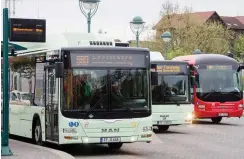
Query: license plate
[(223, 114), (110, 139), (164, 122)]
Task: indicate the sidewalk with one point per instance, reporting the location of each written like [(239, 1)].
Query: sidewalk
[(22, 150)]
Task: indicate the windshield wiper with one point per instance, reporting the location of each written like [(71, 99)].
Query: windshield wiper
[(176, 102), (238, 94), (96, 104), (123, 106), (210, 93)]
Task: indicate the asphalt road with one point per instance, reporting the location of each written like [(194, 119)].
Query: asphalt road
[(201, 140)]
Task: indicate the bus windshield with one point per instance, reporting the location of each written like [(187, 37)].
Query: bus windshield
[(171, 89), (219, 85), (103, 90)]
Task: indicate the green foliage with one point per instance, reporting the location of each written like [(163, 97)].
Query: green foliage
[(242, 82), (189, 32), (239, 46), (23, 65), (176, 52)]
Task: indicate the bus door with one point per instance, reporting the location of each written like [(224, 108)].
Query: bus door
[(51, 104)]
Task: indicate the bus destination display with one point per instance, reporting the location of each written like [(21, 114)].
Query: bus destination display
[(27, 30), (107, 60), (171, 68), (219, 67)]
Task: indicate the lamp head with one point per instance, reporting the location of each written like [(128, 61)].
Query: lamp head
[(166, 36)]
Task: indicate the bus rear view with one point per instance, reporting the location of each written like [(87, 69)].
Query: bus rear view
[(218, 86), (106, 90), (171, 103)]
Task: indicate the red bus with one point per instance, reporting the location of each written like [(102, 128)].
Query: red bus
[(216, 86)]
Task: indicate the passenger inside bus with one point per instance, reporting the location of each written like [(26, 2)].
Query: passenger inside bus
[(77, 91), (82, 92), (117, 97), (170, 91)]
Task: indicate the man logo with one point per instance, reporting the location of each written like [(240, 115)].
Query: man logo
[(90, 116), (164, 116), (110, 130)]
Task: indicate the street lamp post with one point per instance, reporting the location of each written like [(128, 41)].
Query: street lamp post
[(89, 8), (137, 26), (166, 36), (5, 127)]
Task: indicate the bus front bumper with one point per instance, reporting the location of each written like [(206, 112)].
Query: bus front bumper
[(172, 118), (143, 137), (218, 113)]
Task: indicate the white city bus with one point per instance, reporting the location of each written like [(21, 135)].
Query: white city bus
[(83, 95), (171, 101)]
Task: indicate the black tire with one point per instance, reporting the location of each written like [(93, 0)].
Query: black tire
[(37, 133), (163, 128), (115, 146), (216, 120)]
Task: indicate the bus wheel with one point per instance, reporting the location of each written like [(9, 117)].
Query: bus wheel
[(115, 146), (163, 128), (216, 120), (37, 133)]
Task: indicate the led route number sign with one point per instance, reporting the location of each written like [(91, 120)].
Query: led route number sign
[(27, 30)]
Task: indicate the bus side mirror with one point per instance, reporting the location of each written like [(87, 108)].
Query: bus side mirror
[(59, 69), (241, 67), (154, 78)]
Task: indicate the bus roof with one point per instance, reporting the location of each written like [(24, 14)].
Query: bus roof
[(56, 41), (156, 56), (135, 49), (170, 62), (207, 59)]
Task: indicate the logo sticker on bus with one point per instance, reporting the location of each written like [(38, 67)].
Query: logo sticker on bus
[(73, 124)]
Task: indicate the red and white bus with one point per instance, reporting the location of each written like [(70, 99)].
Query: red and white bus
[(216, 87)]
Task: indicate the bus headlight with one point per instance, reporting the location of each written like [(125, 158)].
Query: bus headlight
[(240, 106), (201, 107), (146, 128), (189, 116)]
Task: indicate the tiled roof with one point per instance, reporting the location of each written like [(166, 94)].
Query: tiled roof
[(241, 19), (232, 22), (204, 15), (198, 17)]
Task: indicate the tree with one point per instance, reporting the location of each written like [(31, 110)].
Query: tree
[(189, 32), (25, 66), (239, 47)]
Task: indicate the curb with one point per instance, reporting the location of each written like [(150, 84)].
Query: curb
[(61, 154)]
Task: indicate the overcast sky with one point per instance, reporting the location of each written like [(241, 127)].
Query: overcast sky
[(112, 16)]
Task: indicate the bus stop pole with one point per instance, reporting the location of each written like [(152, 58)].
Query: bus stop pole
[(5, 150)]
